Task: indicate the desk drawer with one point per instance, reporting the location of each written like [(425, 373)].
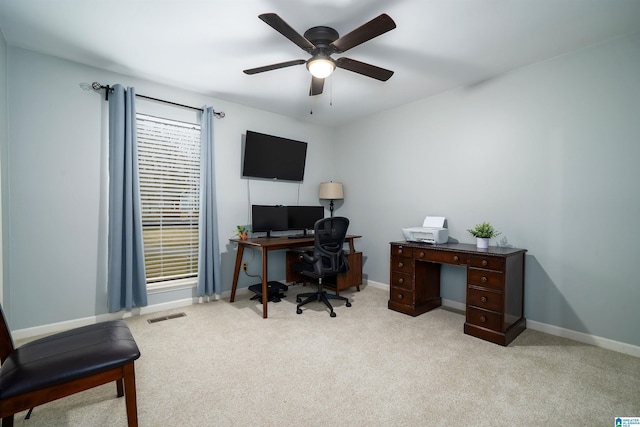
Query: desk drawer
[(401, 280), (484, 298), (484, 318), (487, 262), (401, 251), (485, 278), (442, 257), (401, 265), (402, 296)]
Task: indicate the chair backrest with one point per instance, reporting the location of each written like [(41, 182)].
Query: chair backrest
[(329, 236), (6, 341)]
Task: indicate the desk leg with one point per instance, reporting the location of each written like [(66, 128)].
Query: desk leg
[(352, 247), (265, 289), (236, 272), (352, 250)]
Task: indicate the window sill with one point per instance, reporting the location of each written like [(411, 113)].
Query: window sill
[(171, 285)]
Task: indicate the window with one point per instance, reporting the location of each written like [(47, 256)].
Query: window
[(169, 166)]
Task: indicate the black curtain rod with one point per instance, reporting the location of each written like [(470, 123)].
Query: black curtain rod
[(98, 86)]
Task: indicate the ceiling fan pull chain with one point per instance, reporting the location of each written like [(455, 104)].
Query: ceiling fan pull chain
[(331, 91)]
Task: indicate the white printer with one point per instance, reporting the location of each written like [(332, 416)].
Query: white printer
[(432, 231)]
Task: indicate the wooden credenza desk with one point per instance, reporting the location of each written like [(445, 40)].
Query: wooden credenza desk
[(265, 245), (495, 285)]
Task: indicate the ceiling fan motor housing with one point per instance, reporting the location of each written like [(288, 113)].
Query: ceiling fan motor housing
[(321, 37)]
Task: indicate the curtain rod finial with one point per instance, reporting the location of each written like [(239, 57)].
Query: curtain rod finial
[(97, 86)]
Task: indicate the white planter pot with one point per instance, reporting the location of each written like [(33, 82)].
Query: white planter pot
[(482, 242)]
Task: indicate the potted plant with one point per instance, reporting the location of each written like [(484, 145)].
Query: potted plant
[(483, 232), (242, 232)]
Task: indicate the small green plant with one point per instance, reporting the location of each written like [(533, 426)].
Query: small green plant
[(242, 232), (484, 230)]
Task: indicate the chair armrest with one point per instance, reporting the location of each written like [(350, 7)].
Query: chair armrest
[(302, 250), (306, 254)]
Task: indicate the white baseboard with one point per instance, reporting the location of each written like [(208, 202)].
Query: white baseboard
[(138, 311), (75, 323), (620, 347), (375, 284)]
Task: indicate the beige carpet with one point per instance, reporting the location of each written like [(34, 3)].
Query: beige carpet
[(223, 365)]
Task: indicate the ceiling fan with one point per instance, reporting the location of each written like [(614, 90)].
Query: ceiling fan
[(321, 42)]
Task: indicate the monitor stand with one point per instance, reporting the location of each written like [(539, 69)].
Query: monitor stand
[(302, 235)]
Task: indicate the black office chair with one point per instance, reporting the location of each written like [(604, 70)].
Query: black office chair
[(328, 259)]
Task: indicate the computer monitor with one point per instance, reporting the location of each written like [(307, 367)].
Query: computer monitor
[(269, 218), (304, 217)]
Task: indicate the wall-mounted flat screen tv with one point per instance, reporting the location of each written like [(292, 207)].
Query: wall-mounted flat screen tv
[(273, 157)]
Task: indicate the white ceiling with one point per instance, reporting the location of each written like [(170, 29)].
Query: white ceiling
[(203, 46)]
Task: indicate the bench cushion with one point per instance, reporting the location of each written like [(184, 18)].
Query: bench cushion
[(67, 356)]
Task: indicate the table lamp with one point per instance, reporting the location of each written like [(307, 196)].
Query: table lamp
[(331, 191)]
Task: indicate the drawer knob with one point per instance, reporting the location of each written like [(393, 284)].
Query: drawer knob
[(401, 264), (400, 251), (484, 279), (485, 262), (456, 258), (483, 319), (401, 280), (483, 299), (421, 254), (400, 296)]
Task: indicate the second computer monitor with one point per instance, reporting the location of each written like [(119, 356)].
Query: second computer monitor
[(304, 217)]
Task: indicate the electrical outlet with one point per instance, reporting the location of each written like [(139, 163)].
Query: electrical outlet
[(244, 265)]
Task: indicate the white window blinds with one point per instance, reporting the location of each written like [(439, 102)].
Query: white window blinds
[(169, 166)]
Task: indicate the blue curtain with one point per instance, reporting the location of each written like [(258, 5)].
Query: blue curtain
[(209, 248), (126, 283)]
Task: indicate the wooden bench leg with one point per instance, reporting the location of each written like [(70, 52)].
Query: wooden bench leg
[(130, 394), (7, 421)]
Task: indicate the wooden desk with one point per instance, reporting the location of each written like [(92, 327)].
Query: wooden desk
[(495, 285), (264, 245)]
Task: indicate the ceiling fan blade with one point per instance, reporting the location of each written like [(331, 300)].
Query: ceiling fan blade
[(364, 69), (316, 86), (274, 66), (285, 29), (371, 29)]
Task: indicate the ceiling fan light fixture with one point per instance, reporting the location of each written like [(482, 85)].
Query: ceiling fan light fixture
[(321, 66)]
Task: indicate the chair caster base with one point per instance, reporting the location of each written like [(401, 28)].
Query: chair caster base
[(348, 304), (332, 314), (299, 311)]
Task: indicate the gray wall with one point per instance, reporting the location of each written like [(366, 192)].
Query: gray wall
[(56, 193), (548, 154), (3, 143)]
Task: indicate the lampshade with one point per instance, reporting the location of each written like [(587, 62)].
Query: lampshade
[(321, 66), (331, 190)]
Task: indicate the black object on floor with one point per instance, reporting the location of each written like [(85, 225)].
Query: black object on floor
[(274, 291)]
